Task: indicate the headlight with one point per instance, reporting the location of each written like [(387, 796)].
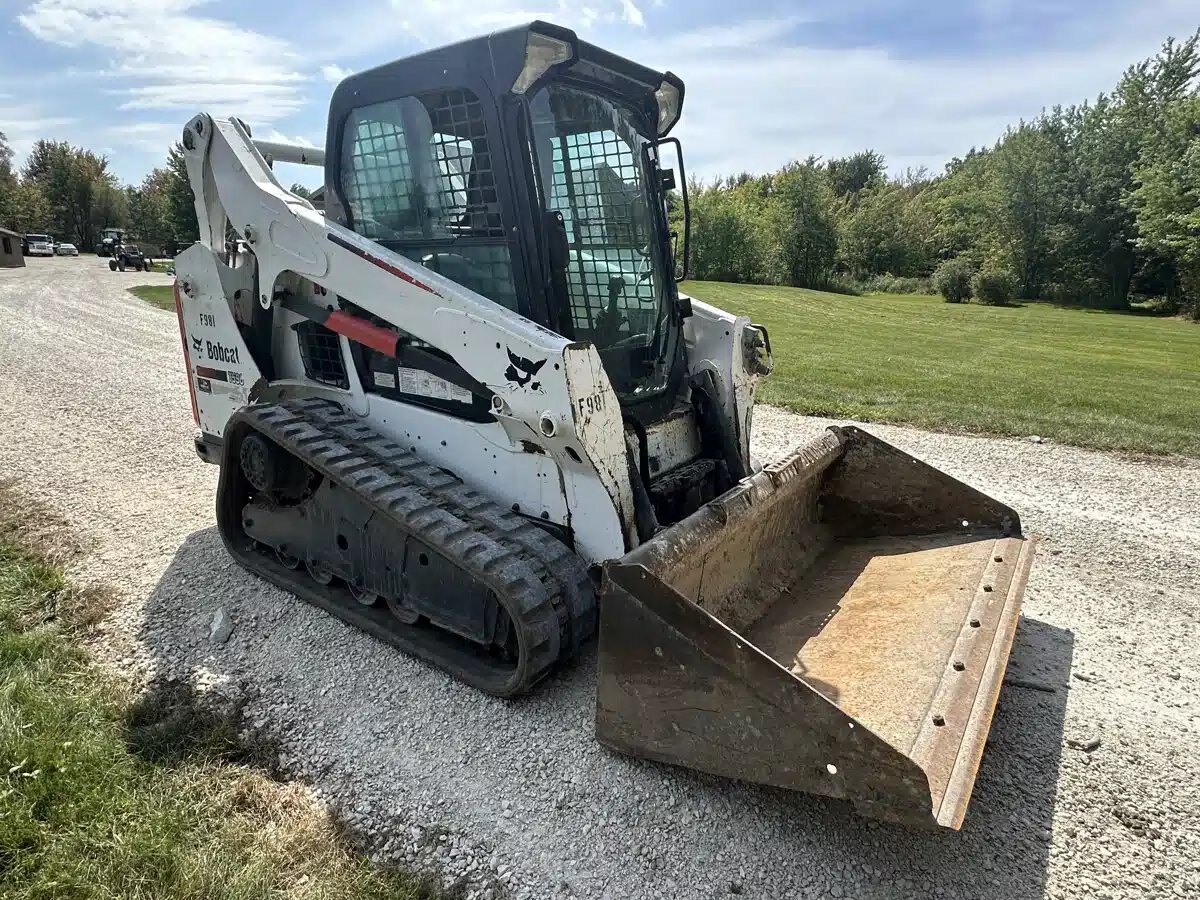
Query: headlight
[(756, 351), (667, 96), (541, 52)]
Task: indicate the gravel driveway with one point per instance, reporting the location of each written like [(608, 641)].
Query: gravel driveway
[(94, 416)]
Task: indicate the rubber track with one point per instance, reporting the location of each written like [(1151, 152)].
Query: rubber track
[(559, 561), (542, 578)]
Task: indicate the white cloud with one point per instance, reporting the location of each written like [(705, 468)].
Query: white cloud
[(164, 55), (24, 123), (149, 137), (255, 103), (334, 73), (438, 21), (746, 36), (757, 97), (278, 137), (156, 137), (631, 14), (759, 91), (378, 26)]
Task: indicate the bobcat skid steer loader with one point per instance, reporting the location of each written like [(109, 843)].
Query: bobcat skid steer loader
[(467, 410)]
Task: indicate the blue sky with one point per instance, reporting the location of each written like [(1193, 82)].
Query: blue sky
[(768, 81)]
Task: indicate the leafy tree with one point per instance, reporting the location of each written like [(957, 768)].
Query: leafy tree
[(801, 226), (181, 205), (26, 209), (958, 209), (885, 233), (110, 209), (41, 160), (852, 174), (1159, 100), (23, 205), (726, 244), (149, 209), (81, 193), (1167, 200), (1030, 165), (1095, 259), (8, 182), (31, 208)]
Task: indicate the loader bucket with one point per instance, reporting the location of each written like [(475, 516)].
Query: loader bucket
[(838, 623)]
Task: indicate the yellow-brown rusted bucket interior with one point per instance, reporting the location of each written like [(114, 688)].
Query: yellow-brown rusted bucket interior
[(838, 623)]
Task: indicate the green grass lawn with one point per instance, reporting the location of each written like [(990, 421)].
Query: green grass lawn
[(160, 295), (104, 795), (1108, 380)]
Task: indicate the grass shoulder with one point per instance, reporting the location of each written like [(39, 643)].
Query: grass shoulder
[(1105, 380), (108, 794), (160, 295)]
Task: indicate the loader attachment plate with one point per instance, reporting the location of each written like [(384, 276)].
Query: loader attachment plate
[(838, 623)]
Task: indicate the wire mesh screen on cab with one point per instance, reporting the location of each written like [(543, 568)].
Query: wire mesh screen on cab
[(418, 176), (592, 172)]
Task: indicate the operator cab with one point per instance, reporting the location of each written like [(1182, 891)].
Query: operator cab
[(525, 165)]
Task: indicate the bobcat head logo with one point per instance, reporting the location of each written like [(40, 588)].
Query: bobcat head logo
[(521, 371), (196, 343)]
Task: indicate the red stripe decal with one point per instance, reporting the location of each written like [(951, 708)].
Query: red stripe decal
[(382, 340), (386, 266), (187, 357)]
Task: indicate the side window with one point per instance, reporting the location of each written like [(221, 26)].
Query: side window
[(418, 175), (377, 173), (7, 247)]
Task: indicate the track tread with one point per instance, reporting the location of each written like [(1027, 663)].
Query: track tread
[(536, 576)]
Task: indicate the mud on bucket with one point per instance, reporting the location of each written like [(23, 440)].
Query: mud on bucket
[(838, 623)]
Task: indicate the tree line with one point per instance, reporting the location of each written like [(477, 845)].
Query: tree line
[(70, 193), (1092, 204)]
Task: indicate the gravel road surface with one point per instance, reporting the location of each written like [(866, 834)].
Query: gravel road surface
[(518, 797)]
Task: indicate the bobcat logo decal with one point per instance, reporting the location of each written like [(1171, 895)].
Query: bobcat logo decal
[(521, 371)]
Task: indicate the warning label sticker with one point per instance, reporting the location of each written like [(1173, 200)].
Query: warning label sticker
[(425, 384)]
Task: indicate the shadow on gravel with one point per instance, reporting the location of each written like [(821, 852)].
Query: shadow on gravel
[(344, 694), (172, 724), (1003, 850)]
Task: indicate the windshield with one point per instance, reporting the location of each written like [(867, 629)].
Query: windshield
[(592, 170), (39, 238)]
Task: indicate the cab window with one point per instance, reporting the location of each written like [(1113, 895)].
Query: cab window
[(417, 176)]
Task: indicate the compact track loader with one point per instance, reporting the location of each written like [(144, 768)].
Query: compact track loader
[(467, 409)]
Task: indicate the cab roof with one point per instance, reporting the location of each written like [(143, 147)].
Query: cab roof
[(495, 60)]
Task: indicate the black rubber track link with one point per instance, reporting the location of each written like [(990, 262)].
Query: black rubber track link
[(539, 581), (580, 615)]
